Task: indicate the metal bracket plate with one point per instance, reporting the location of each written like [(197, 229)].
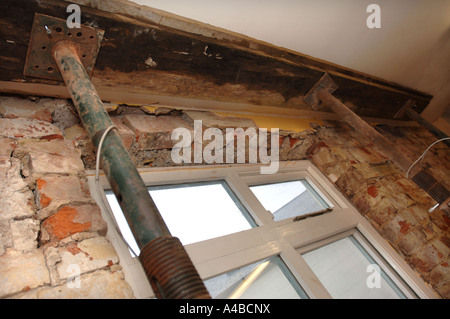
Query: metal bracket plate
[(325, 83), (46, 32)]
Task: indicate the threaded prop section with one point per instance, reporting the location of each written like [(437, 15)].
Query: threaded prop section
[(170, 270), (434, 188)]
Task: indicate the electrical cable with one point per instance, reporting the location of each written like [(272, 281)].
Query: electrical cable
[(99, 189), (423, 154)]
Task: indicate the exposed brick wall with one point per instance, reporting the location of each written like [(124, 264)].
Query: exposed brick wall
[(43, 167), (50, 228), (394, 205)]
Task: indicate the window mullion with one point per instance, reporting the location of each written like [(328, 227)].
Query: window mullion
[(248, 199), (302, 272), (217, 265)]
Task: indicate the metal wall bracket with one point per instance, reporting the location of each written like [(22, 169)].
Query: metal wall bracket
[(46, 32), (325, 83)]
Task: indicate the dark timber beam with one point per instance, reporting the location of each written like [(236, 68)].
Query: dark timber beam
[(151, 53)]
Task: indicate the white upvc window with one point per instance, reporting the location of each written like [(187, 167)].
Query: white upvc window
[(250, 235)]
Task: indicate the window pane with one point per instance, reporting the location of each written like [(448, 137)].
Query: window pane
[(200, 211), (347, 271), (192, 212), (267, 279), (122, 224), (289, 199)]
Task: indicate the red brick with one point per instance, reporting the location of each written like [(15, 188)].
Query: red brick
[(362, 155), (420, 213), (440, 274), (53, 147), (125, 133), (367, 170), (411, 242), (7, 146), (429, 230), (372, 191), (43, 163), (49, 157), (75, 133), (322, 156), (400, 225), (12, 107), (446, 240), (440, 219), (70, 220), (28, 128), (381, 212), (389, 189), (154, 132), (426, 258), (56, 191), (361, 204), (351, 182), (316, 147), (444, 290)]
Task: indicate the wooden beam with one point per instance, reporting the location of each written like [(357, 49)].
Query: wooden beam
[(149, 52), (133, 98)]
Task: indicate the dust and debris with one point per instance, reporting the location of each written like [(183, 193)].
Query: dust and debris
[(181, 52), (217, 55), (205, 52), (150, 62)]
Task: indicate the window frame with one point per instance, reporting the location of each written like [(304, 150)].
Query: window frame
[(284, 238)]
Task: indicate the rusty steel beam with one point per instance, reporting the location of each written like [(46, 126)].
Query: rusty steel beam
[(166, 262), (321, 93)]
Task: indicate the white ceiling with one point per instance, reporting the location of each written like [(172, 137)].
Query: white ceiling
[(411, 48)]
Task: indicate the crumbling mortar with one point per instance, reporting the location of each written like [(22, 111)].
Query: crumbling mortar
[(51, 266)]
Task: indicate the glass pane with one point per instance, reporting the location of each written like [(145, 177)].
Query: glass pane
[(347, 271), (267, 279), (289, 199), (192, 212), (122, 224), (200, 211)]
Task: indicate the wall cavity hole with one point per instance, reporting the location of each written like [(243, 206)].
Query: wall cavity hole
[(36, 66), (50, 69), (58, 29), (79, 34)]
